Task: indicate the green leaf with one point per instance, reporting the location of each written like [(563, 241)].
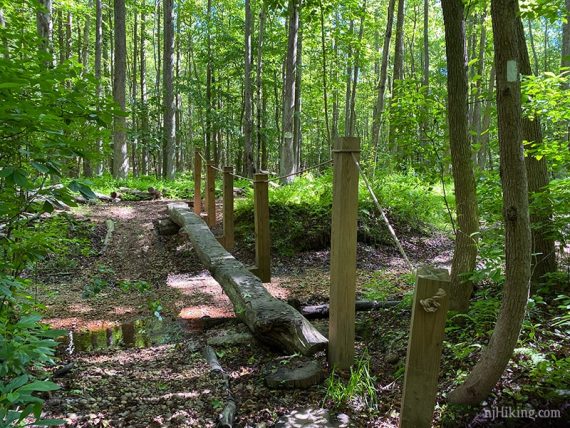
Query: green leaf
[(10, 85), (48, 422), (40, 167), (40, 385)]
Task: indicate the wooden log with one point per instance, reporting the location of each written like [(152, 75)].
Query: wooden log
[(229, 240), (211, 194), (431, 300), (197, 182), (343, 253), (270, 320), (262, 267), (322, 311)]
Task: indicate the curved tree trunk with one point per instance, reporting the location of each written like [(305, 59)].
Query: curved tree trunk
[(465, 254), (496, 356)]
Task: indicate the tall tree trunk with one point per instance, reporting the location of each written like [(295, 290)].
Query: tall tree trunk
[(532, 46), (484, 157), (544, 255), (565, 57), (477, 98), (134, 88), (260, 94), (68, 35), (247, 95), (379, 105), (120, 158), (297, 135), (465, 254), (44, 26), (87, 166), (399, 48), (169, 149), (355, 70), (5, 46), (496, 355), (288, 150), (98, 67), (324, 74), (426, 44), (143, 96), (347, 96), (209, 82)]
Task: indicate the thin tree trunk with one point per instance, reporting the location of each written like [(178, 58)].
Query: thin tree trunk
[(247, 96), (426, 44), (347, 96), (68, 35), (120, 158), (465, 254), (86, 44), (478, 99), (484, 156), (143, 89), (495, 357), (134, 88), (324, 73), (356, 67), (399, 48), (99, 89), (5, 46), (565, 55), (379, 105), (297, 135), (209, 82), (260, 94), (169, 149), (532, 46)]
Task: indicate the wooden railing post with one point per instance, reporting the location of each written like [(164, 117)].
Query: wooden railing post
[(429, 313), (197, 182), (228, 207), (343, 253), (211, 194), (262, 235)]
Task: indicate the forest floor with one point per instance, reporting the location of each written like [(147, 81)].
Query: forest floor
[(137, 315)]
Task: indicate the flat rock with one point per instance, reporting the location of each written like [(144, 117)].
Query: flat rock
[(298, 374), (313, 418)]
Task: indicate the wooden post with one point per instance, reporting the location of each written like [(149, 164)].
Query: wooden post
[(262, 235), (197, 182), (429, 313), (343, 253), (211, 194), (228, 207)]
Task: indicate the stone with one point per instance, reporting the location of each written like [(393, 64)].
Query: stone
[(313, 418), (297, 374)]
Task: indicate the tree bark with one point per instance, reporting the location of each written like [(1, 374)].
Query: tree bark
[(496, 355), (260, 95), (465, 254), (379, 105), (247, 96), (169, 143), (288, 149), (399, 48), (272, 321), (324, 74), (143, 95), (98, 67), (120, 158), (44, 26)]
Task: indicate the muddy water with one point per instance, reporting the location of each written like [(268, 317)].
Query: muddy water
[(142, 333)]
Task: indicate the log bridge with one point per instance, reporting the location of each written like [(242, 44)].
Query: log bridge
[(272, 321)]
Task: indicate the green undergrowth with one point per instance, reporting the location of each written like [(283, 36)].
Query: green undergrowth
[(180, 188), (300, 213)]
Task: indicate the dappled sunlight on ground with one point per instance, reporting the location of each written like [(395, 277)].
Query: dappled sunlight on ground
[(121, 212)]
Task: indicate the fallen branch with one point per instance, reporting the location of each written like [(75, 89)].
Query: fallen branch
[(226, 418), (322, 311), (110, 229), (270, 320)]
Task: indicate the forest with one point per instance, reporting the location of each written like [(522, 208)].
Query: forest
[(355, 153)]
